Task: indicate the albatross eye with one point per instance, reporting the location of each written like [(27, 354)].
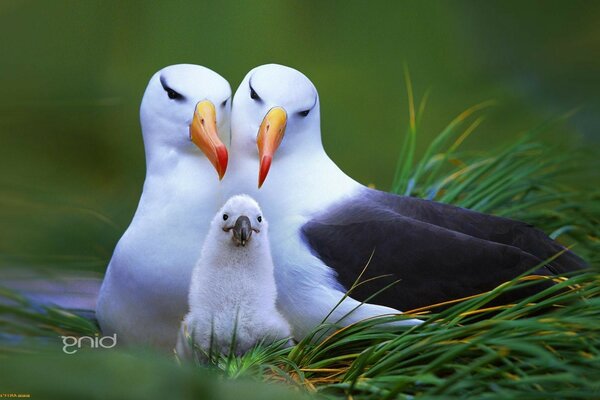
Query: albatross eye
[(173, 95), (225, 217), (253, 94), (304, 113), (259, 218)]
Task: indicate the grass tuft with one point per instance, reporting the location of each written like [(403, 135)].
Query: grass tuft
[(516, 351), (523, 180)]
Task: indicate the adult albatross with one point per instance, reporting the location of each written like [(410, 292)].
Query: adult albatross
[(144, 294), (326, 225)]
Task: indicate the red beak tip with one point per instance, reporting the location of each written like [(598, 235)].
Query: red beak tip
[(222, 159), (265, 165)]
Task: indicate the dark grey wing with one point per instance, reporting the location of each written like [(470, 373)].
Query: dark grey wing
[(433, 263), (478, 225)]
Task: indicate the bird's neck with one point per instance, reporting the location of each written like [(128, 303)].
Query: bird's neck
[(298, 183), (170, 151), (171, 162), (179, 183), (226, 259)]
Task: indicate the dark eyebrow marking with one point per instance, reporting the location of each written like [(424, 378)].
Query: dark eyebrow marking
[(305, 112), (163, 83), (173, 95), (315, 102), (252, 91)]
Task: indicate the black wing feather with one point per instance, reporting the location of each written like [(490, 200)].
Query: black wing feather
[(438, 252)]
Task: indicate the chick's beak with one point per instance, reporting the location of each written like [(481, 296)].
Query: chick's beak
[(242, 230), (269, 138), (204, 134)]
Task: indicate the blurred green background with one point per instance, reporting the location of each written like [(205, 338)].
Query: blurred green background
[(73, 74)]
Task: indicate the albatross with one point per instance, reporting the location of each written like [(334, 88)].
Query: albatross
[(232, 295), (185, 126), (326, 226)]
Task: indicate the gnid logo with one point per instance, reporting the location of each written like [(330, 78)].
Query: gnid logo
[(94, 342)]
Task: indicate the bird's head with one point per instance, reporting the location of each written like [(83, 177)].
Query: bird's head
[(187, 107), (240, 220), (276, 108)]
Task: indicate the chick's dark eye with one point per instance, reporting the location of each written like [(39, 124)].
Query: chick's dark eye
[(304, 113), (259, 218), (225, 217), (173, 95), (254, 95)]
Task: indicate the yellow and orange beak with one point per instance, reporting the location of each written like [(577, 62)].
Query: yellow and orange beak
[(204, 134), (269, 138)]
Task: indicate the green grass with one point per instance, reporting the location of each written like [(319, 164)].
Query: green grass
[(468, 350), (524, 180), (546, 346), (515, 352)]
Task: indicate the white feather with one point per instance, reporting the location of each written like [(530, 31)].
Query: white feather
[(144, 294), (233, 289), (302, 182)]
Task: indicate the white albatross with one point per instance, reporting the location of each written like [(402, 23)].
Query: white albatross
[(325, 226), (232, 295), (185, 110)]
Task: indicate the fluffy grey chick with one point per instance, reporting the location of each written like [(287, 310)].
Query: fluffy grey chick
[(233, 292)]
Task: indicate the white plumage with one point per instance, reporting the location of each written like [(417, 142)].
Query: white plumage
[(144, 293), (302, 181), (233, 288)]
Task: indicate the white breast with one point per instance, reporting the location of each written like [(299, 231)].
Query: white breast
[(144, 294)]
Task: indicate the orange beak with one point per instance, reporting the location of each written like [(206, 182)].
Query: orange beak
[(203, 132), (269, 138)]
